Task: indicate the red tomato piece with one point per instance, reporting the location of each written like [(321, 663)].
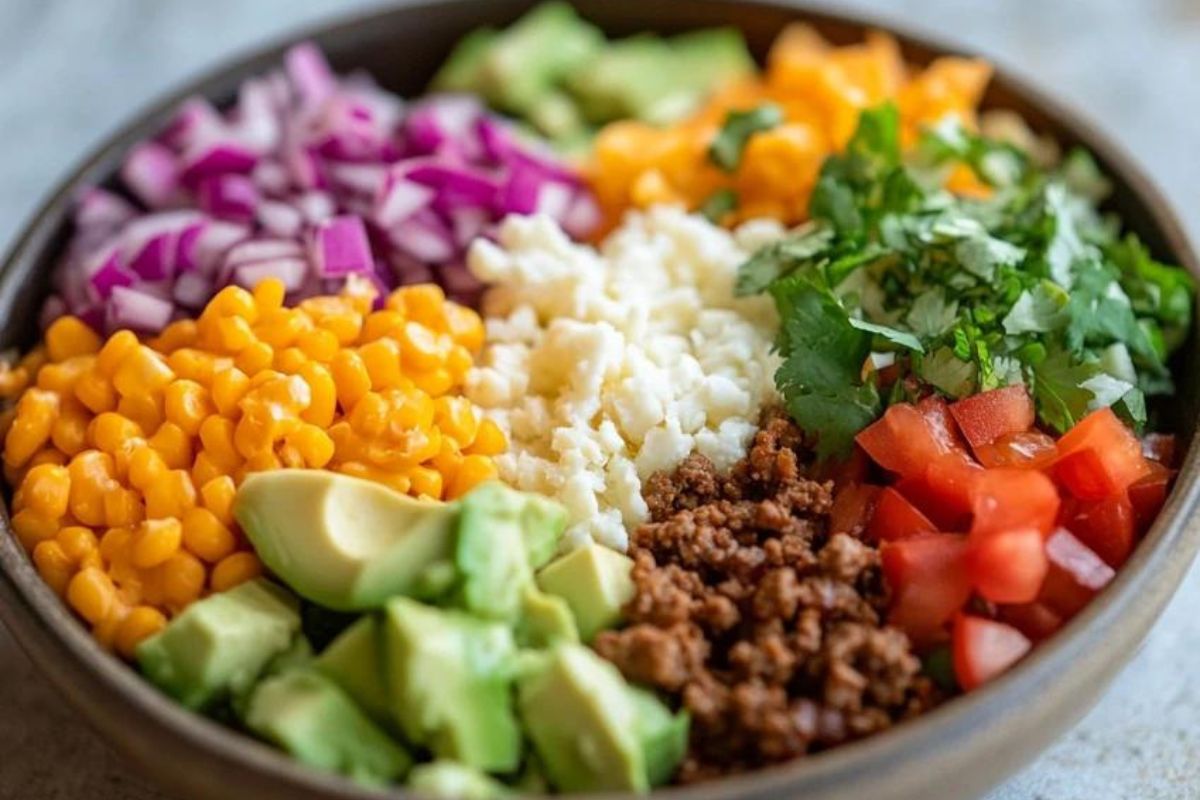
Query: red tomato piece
[(896, 518), (1099, 457), (937, 413), (985, 649), (1022, 450), (983, 418), (943, 491), (853, 508), (1107, 527), (1036, 620), (902, 440), (846, 471), (1076, 573), (1160, 447), (1012, 499), (928, 582), (1148, 494), (1008, 566)]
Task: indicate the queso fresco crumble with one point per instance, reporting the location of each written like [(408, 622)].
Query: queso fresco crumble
[(606, 366)]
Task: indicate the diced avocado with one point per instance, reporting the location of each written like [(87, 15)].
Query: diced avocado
[(343, 542), (663, 736), (218, 646), (545, 620), (354, 661), (450, 679), (460, 72), (502, 534), (298, 654), (583, 723), (532, 779), (596, 583), (557, 116), (318, 724), (454, 781), (534, 53)]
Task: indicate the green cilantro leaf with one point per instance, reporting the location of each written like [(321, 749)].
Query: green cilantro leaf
[(718, 204), (1058, 390), (727, 146)]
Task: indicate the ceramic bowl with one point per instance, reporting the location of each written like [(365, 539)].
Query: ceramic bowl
[(956, 751)]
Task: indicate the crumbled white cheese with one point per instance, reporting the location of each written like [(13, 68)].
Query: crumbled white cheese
[(605, 367)]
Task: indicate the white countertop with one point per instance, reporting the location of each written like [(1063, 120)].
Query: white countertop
[(72, 70)]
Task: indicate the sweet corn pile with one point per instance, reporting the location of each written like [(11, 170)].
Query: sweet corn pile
[(820, 90), (126, 455)]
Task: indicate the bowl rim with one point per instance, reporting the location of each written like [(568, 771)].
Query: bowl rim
[(48, 632)]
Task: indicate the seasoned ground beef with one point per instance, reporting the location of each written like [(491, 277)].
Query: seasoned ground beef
[(757, 621)]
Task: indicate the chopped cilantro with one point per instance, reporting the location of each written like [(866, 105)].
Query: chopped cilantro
[(727, 146), (719, 203)]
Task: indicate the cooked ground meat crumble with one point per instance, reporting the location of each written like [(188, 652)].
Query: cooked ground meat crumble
[(752, 617)]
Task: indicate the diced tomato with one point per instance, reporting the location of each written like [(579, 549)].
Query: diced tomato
[(1008, 566), (1148, 494), (943, 491), (896, 518), (1106, 526), (853, 507), (1160, 447), (1076, 574), (1036, 620), (1022, 450), (937, 413), (1099, 457), (928, 580), (983, 418), (1012, 499), (846, 471), (902, 440), (985, 649)]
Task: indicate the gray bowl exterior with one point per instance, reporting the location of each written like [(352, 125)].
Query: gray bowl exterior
[(957, 751)]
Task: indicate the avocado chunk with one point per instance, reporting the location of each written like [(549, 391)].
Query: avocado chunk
[(354, 661), (503, 535), (318, 724), (545, 620), (595, 581), (450, 679), (460, 72), (591, 731), (454, 781), (218, 646), (343, 542)]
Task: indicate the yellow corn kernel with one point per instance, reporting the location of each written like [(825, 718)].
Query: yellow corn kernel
[(378, 324), (290, 360), (335, 316), (422, 302), (37, 412), (318, 344), (289, 392), (180, 579), (473, 471), (229, 386), (123, 508), (46, 489), (255, 432), (489, 440), (217, 495), (282, 327), (351, 378), (53, 565), (369, 417), (33, 527), (144, 409), (456, 419), (91, 477), (234, 569), (141, 372), (146, 467), (92, 594), (7, 416), (173, 444), (426, 481), (459, 362), (255, 357), (180, 333), (408, 410), (108, 431), (422, 348), (268, 295), (234, 334), (79, 544), (115, 544), (382, 360), (464, 326), (115, 351), (448, 459), (13, 380), (61, 377), (323, 395), (206, 536), (69, 433), (314, 445), (289, 457), (95, 391), (47, 455), (138, 625), (123, 456), (186, 404), (233, 301), (192, 364), (435, 382), (264, 461), (170, 496), (217, 436), (155, 541)]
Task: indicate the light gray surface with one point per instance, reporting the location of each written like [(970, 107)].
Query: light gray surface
[(72, 70)]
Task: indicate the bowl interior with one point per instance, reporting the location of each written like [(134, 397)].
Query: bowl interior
[(401, 48)]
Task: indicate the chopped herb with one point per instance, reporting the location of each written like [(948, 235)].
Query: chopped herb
[(718, 204), (1030, 284), (938, 664), (726, 148)]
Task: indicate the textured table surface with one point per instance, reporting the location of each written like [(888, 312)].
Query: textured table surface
[(72, 70)]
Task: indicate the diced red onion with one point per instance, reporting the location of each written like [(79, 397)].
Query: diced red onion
[(310, 74), (192, 290), (399, 200), (340, 247), (137, 310), (233, 197), (217, 158), (109, 275), (280, 219), (151, 172), (101, 210), (291, 271)]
